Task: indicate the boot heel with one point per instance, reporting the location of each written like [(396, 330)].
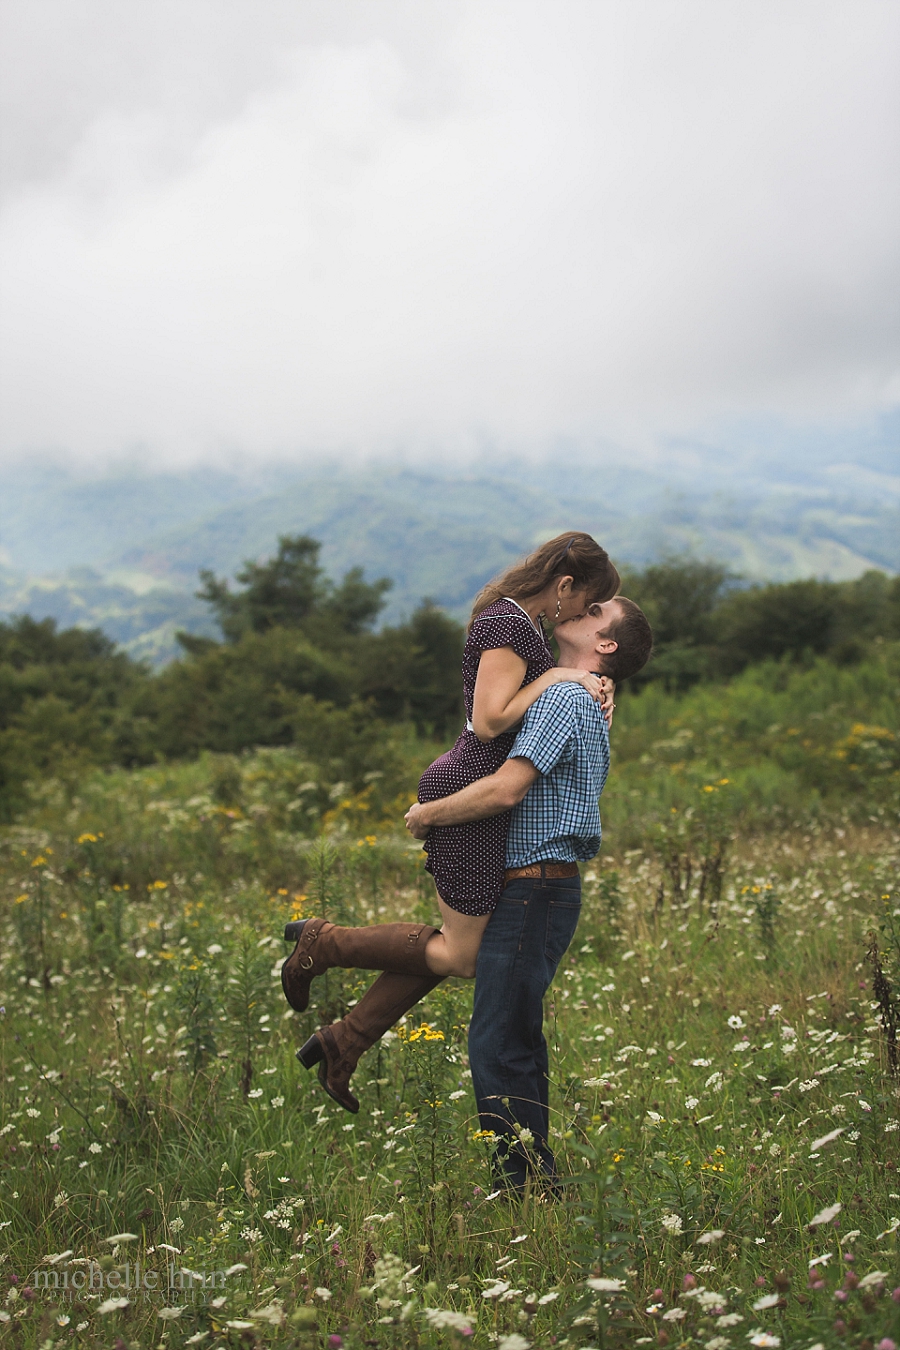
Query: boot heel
[(293, 930), (311, 1052)]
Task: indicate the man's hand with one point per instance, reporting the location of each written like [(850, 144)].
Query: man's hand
[(490, 796), (414, 822)]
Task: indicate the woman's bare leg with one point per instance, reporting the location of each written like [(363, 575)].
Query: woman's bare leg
[(454, 950)]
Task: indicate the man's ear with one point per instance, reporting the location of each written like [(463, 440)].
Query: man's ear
[(606, 646)]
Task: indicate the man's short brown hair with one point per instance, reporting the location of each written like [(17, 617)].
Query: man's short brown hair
[(633, 634)]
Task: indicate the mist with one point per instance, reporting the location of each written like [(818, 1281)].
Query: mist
[(237, 231)]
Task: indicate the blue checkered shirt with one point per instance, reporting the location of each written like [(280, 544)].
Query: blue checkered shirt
[(565, 736)]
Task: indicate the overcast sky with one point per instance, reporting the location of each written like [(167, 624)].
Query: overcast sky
[(258, 227)]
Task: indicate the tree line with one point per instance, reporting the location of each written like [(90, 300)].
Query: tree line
[(301, 662), (708, 625)]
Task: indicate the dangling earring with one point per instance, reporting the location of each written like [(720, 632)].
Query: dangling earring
[(558, 611)]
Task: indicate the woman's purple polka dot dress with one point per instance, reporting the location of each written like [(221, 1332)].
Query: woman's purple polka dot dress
[(468, 862)]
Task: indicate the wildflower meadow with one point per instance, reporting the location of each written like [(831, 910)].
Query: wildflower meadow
[(724, 1059)]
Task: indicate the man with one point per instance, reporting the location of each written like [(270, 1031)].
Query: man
[(553, 779), (559, 760)]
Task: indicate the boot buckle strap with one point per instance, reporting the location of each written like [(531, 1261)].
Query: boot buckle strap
[(412, 938), (304, 960)]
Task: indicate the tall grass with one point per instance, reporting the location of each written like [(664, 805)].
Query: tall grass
[(723, 1102)]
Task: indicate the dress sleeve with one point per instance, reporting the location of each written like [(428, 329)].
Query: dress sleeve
[(507, 630)]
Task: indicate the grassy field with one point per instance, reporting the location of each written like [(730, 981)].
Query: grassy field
[(723, 1098)]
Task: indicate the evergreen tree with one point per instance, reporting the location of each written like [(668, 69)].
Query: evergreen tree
[(290, 589)]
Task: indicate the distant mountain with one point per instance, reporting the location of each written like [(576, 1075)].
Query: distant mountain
[(53, 516), (122, 550), (143, 622)]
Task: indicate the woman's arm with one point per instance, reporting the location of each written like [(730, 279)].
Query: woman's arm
[(500, 702)]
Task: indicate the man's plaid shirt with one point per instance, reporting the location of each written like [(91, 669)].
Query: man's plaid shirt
[(565, 736)]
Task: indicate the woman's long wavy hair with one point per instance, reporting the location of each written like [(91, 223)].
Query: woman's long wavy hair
[(574, 555)]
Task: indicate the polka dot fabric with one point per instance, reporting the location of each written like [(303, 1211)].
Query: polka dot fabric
[(468, 862)]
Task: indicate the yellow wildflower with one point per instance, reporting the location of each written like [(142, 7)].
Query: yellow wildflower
[(427, 1032)]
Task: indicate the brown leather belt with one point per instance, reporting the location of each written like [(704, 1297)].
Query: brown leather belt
[(543, 869)]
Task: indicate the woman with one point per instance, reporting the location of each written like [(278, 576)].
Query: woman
[(507, 665)]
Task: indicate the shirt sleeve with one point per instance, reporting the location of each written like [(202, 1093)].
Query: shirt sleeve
[(548, 728), (507, 630)]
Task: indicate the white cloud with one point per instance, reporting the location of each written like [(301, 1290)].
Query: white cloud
[(346, 227)]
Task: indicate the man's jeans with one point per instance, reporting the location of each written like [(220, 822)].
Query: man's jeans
[(523, 944)]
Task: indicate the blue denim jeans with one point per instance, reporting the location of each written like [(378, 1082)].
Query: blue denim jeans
[(524, 942)]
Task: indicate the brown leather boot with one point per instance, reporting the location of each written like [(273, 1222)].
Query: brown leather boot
[(399, 947), (337, 1048)]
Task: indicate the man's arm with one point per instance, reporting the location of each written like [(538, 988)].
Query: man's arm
[(490, 796)]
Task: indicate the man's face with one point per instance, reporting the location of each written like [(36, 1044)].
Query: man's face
[(589, 629), (583, 641)]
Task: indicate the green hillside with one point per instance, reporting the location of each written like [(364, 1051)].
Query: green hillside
[(442, 536), (123, 551)]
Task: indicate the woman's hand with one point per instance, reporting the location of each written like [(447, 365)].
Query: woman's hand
[(600, 687), (589, 681), (608, 699)]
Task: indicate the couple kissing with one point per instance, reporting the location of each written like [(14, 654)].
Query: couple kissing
[(506, 816)]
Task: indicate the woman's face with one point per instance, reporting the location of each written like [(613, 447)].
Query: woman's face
[(573, 604)]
